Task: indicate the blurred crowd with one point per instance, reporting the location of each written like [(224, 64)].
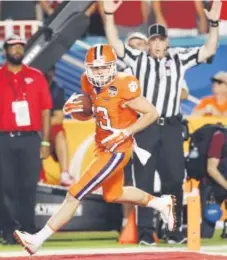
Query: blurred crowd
[(189, 21)]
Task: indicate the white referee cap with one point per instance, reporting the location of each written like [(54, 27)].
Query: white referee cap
[(220, 76), (136, 35), (14, 39)]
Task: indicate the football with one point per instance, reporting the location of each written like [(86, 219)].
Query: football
[(87, 113)]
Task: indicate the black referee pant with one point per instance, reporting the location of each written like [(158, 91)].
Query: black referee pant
[(164, 141), (129, 176), (20, 166)]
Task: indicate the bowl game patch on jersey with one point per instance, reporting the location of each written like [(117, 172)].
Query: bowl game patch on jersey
[(112, 90)]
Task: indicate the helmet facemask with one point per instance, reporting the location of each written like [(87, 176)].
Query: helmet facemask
[(100, 74)]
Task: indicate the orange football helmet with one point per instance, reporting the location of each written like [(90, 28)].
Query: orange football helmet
[(101, 66)]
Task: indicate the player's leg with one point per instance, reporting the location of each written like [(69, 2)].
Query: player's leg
[(165, 204), (97, 172), (113, 191)]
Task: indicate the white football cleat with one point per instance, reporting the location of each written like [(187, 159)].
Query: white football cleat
[(168, 212), (27, 241)]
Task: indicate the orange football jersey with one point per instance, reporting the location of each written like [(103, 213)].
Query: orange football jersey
[(108, 103)]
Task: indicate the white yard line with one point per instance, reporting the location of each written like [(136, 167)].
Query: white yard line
[(126, 250)]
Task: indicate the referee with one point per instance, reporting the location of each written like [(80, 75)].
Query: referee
[(161, 73)]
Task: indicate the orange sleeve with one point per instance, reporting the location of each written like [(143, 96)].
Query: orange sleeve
[(132, 88), (203, 103)]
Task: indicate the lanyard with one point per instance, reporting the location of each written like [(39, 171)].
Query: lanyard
[(21, 86)]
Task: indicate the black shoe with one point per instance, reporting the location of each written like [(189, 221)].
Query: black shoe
[(224, 234), (149, 240), (224, 230), (1, 237), (176, 237)]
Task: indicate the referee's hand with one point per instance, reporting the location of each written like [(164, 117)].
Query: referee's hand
[(111, 6), (215, 11)]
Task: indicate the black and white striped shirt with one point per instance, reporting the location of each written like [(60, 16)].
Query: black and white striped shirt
[(161, 80)]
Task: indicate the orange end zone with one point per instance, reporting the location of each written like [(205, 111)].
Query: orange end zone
[(137, 256)]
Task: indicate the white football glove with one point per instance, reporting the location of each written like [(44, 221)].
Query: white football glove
[(73, 104), (112, 141)]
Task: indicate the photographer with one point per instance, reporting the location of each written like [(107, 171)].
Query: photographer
[(207, 163)]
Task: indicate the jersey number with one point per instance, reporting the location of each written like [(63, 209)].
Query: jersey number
[(103, 118)]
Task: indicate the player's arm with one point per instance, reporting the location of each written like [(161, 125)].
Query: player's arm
[(210, 47), (148, 112), (132, 100), (214, 156), (214, 173), (149, 115), (110, 7)]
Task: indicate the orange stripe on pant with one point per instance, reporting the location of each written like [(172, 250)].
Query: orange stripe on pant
[(106, 170)]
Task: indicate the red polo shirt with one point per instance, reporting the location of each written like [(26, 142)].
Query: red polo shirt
[(13, 86)]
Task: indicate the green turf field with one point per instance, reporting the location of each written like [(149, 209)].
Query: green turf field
[(79, 240)]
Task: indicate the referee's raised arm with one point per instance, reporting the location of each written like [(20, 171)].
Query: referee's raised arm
[(209, 48), (110, 29), (126, 53)]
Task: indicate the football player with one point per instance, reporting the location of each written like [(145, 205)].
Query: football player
[(117, 102)]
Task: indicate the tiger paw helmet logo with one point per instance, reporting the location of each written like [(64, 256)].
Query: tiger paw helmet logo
[(133, 85)]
